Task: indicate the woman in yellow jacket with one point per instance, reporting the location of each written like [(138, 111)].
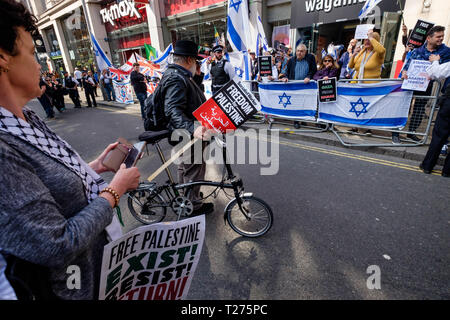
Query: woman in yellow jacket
[(367, 63)]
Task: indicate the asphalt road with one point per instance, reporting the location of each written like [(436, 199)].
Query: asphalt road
[(336, 212)]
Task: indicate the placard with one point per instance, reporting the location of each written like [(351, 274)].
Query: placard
[(327, 90), (265, 66), (418, 78), (419, 33), (228, 109), (153, 262), (362, 30)]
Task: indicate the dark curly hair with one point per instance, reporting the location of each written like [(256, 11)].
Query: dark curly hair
[(13, 15)]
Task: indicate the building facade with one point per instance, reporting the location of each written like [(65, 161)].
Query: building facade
[(123, 27), (120, 28)]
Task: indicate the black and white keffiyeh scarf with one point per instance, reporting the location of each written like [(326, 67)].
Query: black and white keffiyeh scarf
[(37, 133)]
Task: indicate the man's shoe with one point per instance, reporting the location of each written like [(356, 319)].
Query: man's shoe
[(368, 132), (204, 209), (396, 140), (424, 170), (413, 137), (77, 107), (446, 175)]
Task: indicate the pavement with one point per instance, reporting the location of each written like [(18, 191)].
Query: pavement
[(311, 133)]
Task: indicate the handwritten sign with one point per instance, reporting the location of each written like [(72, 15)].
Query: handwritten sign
[(419, 33), (265, 66), (154, 262), (417, 76), (362, 30), (327, 90), (228, 109)]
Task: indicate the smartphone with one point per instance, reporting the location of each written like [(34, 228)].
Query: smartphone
[(134, 154)]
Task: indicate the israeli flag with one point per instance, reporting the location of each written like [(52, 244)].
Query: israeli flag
[(102, 60), (238, 31), (205, 69), (375, 105), (261, 39), (292, 100), (367, 8), (163, 58), (239, 61)]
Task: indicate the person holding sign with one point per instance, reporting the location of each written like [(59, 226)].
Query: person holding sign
[(181, 96), (273, 68), (56, 212), (433, 45), (328, 69), (368, 62), (441, 130)]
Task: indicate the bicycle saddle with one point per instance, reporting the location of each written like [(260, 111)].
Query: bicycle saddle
[(154, 136)]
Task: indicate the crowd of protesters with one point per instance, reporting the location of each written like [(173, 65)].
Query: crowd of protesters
[(362, 60), (54, 87)]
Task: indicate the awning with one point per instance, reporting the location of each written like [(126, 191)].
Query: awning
[(306, 12)]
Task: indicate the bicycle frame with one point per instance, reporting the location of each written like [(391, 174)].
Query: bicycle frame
[(235, 183)]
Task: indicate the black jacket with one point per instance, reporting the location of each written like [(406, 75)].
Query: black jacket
[(290, 71), (138, 82), (181, 96)]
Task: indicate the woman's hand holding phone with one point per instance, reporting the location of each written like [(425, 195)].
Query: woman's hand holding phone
[(97, 164)]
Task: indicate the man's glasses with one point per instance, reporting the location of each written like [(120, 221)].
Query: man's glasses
[(327, 60)]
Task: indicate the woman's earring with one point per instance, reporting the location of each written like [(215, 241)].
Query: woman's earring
[(5, 70)]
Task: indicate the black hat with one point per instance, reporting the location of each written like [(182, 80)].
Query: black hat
[(186, 48), (217, 48)]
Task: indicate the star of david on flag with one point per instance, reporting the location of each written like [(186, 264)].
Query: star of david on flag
[(289, 100), (284, 96), (235, 4), (376, 105), (362, 110), (239, 72)]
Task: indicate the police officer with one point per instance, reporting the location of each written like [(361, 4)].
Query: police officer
[(89, 86), (221, 69)]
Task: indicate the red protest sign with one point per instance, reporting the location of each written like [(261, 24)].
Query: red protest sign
[(228, 109), (211, 116)]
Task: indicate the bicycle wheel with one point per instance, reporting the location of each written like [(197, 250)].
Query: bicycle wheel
[(259, 216), (146, 205)]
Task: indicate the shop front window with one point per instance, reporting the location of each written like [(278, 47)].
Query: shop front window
[(55, 51), (203, 33), (77, 40)]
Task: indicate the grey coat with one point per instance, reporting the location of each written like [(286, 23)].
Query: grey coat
[(45, 217)]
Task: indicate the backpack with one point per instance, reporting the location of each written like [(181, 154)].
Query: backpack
[(155, 118)]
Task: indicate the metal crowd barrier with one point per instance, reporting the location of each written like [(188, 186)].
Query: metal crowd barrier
[(423, 107)]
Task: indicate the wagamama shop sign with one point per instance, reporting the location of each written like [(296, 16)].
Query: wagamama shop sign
[(125, 8)]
